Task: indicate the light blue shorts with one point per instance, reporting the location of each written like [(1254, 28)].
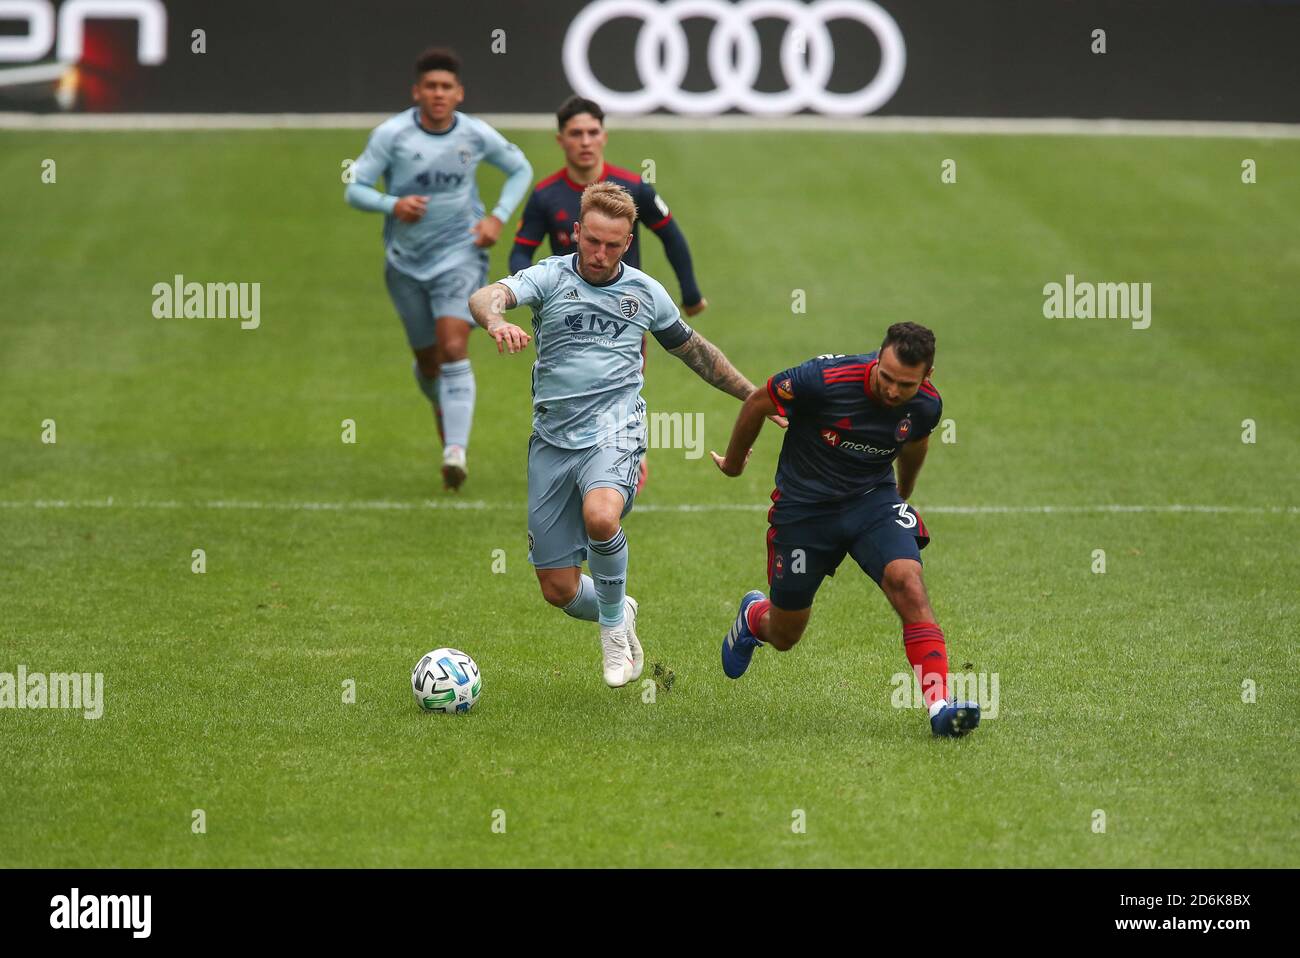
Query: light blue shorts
[(421, 301), (558, 479)]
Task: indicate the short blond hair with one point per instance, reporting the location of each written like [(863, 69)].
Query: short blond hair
[(610, 199)]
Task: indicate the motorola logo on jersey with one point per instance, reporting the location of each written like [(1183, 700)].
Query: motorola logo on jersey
[(832, 439), (807, 56), (36, 41)]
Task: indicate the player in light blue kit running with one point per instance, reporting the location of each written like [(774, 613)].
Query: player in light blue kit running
[(590, 311), (435, 233)]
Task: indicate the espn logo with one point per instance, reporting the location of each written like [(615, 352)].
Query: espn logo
[(38, 39)]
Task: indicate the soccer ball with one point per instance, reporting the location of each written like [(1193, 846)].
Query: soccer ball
[(446, 680)]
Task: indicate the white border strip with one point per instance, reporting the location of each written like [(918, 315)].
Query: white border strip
[(1014, 126), (382, 505)]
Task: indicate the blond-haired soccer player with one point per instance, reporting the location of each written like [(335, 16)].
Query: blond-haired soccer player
[(590, 310), (552, 209)]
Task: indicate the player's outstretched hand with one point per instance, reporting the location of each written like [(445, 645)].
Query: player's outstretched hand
[(780, 421), (721, 462), (486, 231), (698, 308), (510, 338), (411, 208)]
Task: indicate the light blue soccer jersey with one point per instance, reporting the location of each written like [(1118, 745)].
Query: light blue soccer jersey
[(412, 160), (587, 377)]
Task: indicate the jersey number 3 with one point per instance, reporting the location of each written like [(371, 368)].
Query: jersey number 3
[(906, 517)]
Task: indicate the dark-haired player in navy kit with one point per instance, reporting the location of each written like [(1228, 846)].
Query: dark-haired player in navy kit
[(851, 418), (552, 209)]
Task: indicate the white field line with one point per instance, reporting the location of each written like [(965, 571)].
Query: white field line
[(1005, 126), (458, 505)]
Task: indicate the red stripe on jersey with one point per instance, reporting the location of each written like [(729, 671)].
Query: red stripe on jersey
[(771, 552), (662, 222), (866, 380), (611, 170), (837, 370), (558, 174), (929, 390), (771, 393), (527, 242)]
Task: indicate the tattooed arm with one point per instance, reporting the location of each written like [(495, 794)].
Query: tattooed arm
[(708, 362)]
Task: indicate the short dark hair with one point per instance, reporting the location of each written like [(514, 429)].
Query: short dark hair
[(912, 342), (575, 105), (437, 58)]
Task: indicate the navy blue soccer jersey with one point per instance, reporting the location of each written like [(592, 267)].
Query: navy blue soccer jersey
[(842, 441), (553, 207)]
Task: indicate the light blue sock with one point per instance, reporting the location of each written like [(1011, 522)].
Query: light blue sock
[(608, 564), (456, 390), (583, 605)]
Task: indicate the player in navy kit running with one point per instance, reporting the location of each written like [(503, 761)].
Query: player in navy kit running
[(851, 418)]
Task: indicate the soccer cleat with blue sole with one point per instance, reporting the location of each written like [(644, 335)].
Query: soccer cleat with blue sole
[(955, 719), (739, 643)]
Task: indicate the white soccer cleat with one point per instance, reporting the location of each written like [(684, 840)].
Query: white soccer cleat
[(617, 655), (638, 657), (454, 469)]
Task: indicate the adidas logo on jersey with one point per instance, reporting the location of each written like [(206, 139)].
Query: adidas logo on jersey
[(571, 294)]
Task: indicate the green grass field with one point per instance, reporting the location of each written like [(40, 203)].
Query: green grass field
[(1119, 692)]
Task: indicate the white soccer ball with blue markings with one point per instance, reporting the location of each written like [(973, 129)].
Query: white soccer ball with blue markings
[(446, 680)]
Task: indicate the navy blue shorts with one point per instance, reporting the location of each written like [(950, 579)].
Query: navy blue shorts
[(875, 529)]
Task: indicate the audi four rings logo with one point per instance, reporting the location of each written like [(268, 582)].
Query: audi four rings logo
[(734, 54)]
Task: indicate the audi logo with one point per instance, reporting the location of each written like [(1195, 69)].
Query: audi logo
[(734, 55)]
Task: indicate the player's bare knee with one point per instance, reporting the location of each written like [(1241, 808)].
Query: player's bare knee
[(601, 526), (601, 512), (427, 360), (902, 578), (557, 592)]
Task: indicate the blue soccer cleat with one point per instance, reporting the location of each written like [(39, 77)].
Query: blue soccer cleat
[(739, 644), (955, 719)]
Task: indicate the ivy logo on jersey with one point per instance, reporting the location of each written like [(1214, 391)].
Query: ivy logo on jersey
[(903, 428), (629, 307), (785, 389), (593, 323), (831, 437)]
